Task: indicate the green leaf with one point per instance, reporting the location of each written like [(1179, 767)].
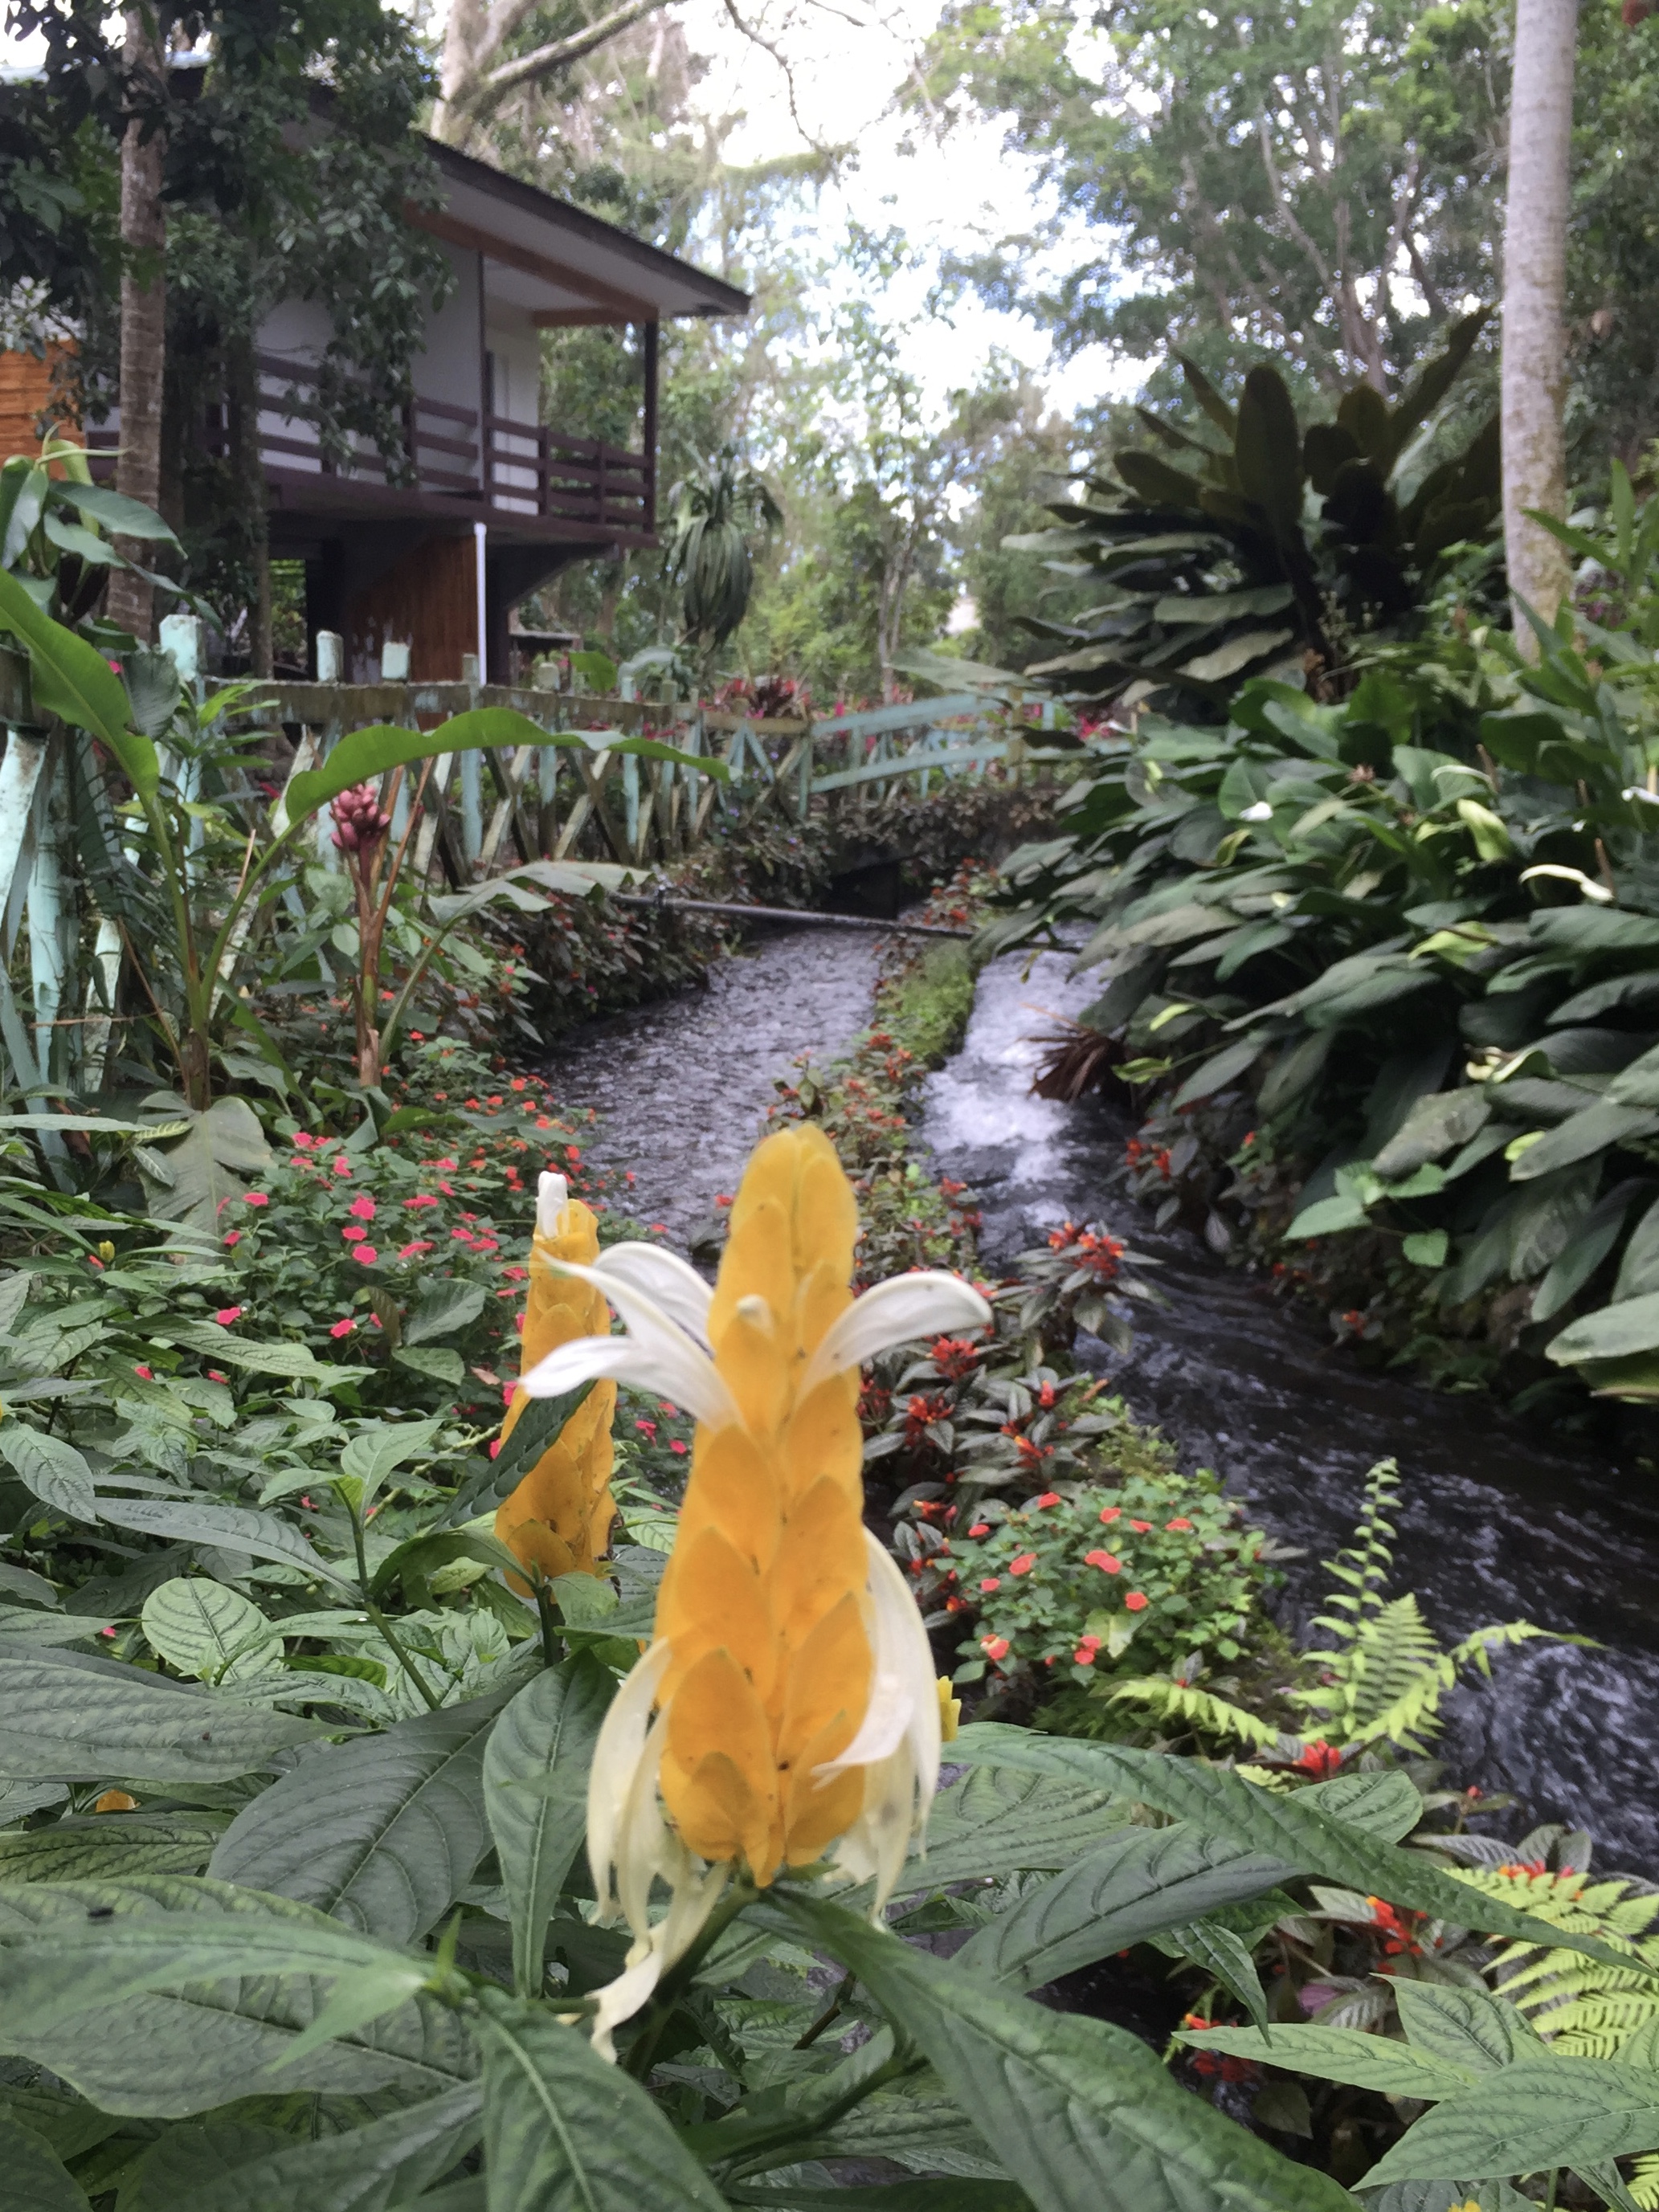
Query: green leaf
[(1082, 2111), (200, 1627), (535, 1779), (382, 1833), (447, 1307), (1301, 1828), (231, 1528), (1154, 480), (222, 2168), (294, 1362), (1340, 2054), (1540, 2112), (126, 518), (206, 1168), (441, 1363), (363, 753), (1328, 1217), (168, 2055), (109, 1846), (1436, 1125), (50, 1469), (1221, 1069), (1224, 1957), (375, 1453), (36, 2178), (1598, 1128), (1426, 1249), (958, 2194), (424, 1555), (995, 1821), (1612, 1333), (565, 2132), (69, 1716), (1468, 2029), (1267, 448), (72, 680), (536, 1428), (1140, 1883)]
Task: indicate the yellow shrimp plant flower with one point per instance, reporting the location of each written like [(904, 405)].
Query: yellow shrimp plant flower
[(788, 1712), (558, 1519)]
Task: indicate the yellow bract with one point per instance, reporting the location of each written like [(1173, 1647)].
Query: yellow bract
[(764, 1605), (558, 1519)]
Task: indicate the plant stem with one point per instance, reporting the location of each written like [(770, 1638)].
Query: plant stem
[(549, 1627), (422, 1686), (678, 1978), (831, 2011)]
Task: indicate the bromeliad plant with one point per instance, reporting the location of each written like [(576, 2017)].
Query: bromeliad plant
[(239, 1896), (1281, 545)]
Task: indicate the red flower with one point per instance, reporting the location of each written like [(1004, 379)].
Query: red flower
[(994, 1647), (424, 1198), (343, 1165), (227, 1316), (1023, 1563), (255, 1198), (1182, 1522), (1318, 1757), (953, 1356), (362, 1208), (648, 1429), (342, 1326), (1140, 1527), (412, 1251), (1398, 1928), (1048, 1497), (1105, 1560), (1083, 1655), (365, 1254), (1110, 1513), (354, 1233), (1136, 1601), (217, 1374), (232, 1238), (980, 1528), (145, 1374), (678, 1449), (992, 1583)]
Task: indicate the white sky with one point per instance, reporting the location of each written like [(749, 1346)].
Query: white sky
[(954, 194)]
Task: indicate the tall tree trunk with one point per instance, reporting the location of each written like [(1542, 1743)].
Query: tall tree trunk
[(242, 368), (130, 600), (1534, 284)]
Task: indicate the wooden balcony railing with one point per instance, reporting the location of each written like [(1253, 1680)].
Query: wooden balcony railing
[(450, 452)]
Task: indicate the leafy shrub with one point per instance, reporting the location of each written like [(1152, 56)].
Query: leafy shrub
[(1071, 1580), (1215, 576)]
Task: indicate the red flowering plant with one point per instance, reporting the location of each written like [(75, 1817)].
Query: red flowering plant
[(1081, 1278), (1058, 1587)]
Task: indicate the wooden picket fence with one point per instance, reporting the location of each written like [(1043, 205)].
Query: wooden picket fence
[(483, 812)]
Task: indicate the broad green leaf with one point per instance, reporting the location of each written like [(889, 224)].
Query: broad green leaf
[(1215, 1950), (1598, 1128), (994, 1821), (224, 1347), (1141, 1881), (127, 518), (439, 1362), (1449, 2196), (1538, 2113), (169, 2055), (1612, 1333), (424, 1555), (1466, 2027), (26, 1628), (365, 753), (446, 1308), (382, 1833), (207, 1167), (68, 1716), (1437, 1125), (1221, 1069), (565, 2132), (1080, 2111), (1341, 2054), (36, 2179), (219, 2168), (72, 679), (51, 1468), (28, 1588), (231, 1528), (64, 2122), (201, 1628), (535, 1777), (109, 1846), (376, 1453), (1296, 1828)]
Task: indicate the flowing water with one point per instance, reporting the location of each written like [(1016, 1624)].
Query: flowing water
[(1498, 1522)]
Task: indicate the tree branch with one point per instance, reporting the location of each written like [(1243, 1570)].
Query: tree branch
[(495, 84)]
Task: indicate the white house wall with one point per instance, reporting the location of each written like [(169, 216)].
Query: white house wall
[(515, 346)]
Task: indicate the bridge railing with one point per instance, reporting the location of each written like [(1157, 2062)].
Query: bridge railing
[(482, 811)]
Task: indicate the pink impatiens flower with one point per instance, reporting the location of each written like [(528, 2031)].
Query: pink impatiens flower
[(354, 1233), (365, 1254), (362, 1208), (1106, 1561), (255, 1198), (227, 1316), (343, 1327)]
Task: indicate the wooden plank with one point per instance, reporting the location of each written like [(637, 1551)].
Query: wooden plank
[(883, 771), (595, 778)]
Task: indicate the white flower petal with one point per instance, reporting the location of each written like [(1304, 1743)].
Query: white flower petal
[(904, 1693), (619, 1754), (552, 1196), (876, 1846), (584, 1360), (672, 1283), (1262, 812), (905, 1307), (658, 1354)]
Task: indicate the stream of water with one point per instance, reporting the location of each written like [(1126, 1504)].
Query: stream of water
[(1498, 1522)]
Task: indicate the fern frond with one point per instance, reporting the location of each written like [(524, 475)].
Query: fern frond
[(1643, 2182), (1581, 2006), (1178, 1701)]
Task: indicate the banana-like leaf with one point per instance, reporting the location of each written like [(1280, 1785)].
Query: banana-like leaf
[(72, 679)]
